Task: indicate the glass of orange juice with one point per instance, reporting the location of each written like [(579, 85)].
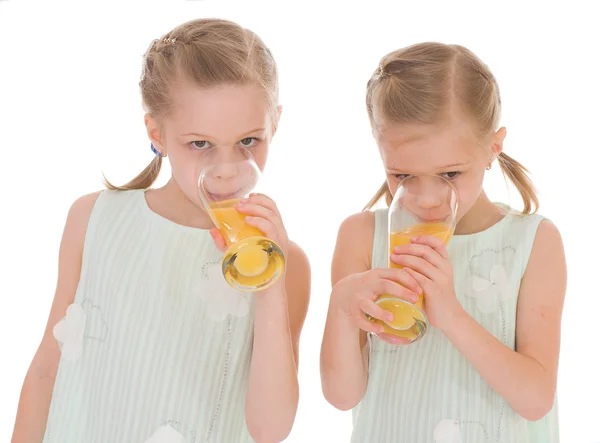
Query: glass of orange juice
[(252, 262), (422, 205)]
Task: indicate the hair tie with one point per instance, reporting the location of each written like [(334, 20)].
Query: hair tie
[(156, 151), (380, 73)]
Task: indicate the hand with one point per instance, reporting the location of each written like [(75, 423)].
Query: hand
[(355, 295), (262, 213), (427, 261)]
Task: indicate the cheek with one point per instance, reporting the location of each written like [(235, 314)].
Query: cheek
[(185, 172), (260, 155), (469, 190)]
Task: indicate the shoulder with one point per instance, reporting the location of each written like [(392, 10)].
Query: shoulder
[(524, 223), (85, 202), (354, 245), (106, 202), (80, 213), (358, 223), (526, 233), (547, 230), (545, 274), (357, 231), (547, 245)]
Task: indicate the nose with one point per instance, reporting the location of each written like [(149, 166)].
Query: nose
[(428, 197), (226, 163), (225, 171), (429, 201), (430, 192)]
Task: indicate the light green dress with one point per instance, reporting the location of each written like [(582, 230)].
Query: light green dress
[(428, 392), (156, 347)]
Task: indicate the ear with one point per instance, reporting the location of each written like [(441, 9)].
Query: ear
[(154, 134), (498, 142)]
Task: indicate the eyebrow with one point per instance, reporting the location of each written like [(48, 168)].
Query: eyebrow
[(454, 165), (196, 134), (446, 167)]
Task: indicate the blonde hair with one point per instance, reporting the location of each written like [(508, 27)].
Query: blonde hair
[(421, 83), (210, 53)]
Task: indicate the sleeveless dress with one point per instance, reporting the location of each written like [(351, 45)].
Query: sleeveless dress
[(156, 347), (427, 392)]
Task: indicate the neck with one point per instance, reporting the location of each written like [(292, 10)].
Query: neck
[(171, 203), (482, 215)]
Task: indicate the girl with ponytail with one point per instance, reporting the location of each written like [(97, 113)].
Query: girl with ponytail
[(146, 341), (486, 370)]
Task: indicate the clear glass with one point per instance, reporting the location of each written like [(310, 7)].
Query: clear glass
[(422, 204), (252, 262)]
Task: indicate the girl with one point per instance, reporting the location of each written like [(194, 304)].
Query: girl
[(486, 371), (156, 347)]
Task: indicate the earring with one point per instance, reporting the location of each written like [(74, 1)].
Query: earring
[(156, 151), (489, 167)]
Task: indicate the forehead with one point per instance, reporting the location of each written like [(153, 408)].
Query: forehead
[(220, 112), (420, 148)]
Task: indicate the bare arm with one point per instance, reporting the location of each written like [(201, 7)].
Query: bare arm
[(273, 388), (272, 396), (532, 369), (34, 403), (344, 351)]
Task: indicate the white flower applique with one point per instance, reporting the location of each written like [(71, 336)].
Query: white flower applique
[(220, 298), (69, 332), (447, 431), (166, 434), (489, 293), (489, 283), (82, 321)]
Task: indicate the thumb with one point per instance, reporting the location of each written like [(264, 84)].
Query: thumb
[(218, 239)]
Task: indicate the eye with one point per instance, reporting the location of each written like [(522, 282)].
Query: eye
[(401, 176), (248, 142), (451, 175), (201, 144)]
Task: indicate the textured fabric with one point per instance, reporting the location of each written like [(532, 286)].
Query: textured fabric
[(156, 347), (427, 392)]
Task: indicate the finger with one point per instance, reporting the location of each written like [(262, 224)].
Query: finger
[(367, 325), (418, 264), (388, 287), (266, 226), (251, 208), (433, 242), (375, 311), (399, 276), (260, 211), (218, 239), (419, 250), (424, 282), (267, 202)]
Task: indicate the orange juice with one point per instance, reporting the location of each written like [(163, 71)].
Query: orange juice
[(252, 261), (231, 223), (409, 322)]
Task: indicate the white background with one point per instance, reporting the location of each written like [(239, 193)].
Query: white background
[(70, 110)]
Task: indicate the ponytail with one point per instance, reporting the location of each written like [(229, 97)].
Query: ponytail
[(518, 175), (144, 180), (384, 191)]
